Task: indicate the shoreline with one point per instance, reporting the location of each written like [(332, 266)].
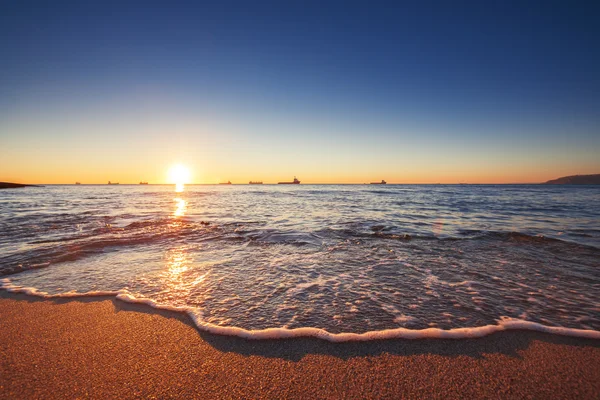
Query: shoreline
[(503, 325), (103, 347)]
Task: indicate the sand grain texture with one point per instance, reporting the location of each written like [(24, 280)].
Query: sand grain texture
[(104, 348)]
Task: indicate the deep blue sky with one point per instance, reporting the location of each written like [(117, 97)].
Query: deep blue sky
[(423, 92)]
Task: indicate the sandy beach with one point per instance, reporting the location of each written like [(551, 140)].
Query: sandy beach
[(101, 347)]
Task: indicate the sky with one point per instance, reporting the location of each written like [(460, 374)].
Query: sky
[(330, 92)]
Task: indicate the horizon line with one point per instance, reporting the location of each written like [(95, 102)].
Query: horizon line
[(275, 183)]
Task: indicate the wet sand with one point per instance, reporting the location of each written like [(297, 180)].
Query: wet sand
[(104, 348)]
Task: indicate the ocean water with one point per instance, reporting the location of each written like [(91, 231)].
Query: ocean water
[(341, 262)]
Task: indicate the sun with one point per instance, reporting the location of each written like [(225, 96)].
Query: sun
[(179, 174)]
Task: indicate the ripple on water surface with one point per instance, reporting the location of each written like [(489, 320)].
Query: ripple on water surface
[(338, 258)]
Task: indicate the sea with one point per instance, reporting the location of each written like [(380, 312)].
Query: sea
[(338, 262)]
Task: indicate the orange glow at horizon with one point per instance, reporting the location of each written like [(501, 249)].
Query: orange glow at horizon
[(240, 168)]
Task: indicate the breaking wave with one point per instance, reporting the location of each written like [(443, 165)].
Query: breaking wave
[(504, 323)]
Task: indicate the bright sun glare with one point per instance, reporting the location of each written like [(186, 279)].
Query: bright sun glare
[(179, 174)]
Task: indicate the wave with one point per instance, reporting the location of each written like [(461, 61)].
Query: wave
[(390, 232), (380, 191), (527, 238), (73, 248), (146, 232), (504, 323)]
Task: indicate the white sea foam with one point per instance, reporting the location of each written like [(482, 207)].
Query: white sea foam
[(504, 323), (9, 287)]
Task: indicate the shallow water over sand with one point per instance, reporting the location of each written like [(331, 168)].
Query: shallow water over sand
[(343, 258)]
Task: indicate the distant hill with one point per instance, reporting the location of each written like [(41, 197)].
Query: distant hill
[(8, 185), (576, 180)]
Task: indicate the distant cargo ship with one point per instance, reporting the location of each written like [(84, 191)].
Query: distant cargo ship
[(295, 182), (255, 183), (113, 183), (379, 183), (78, 183), (143, 183), (225, 183)]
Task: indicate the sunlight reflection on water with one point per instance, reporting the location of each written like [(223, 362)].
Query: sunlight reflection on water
[(180, 277), (181, 207), (342, 258)]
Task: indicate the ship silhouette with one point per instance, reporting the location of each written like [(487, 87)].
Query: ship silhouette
[(379, 183), (295, 182)]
